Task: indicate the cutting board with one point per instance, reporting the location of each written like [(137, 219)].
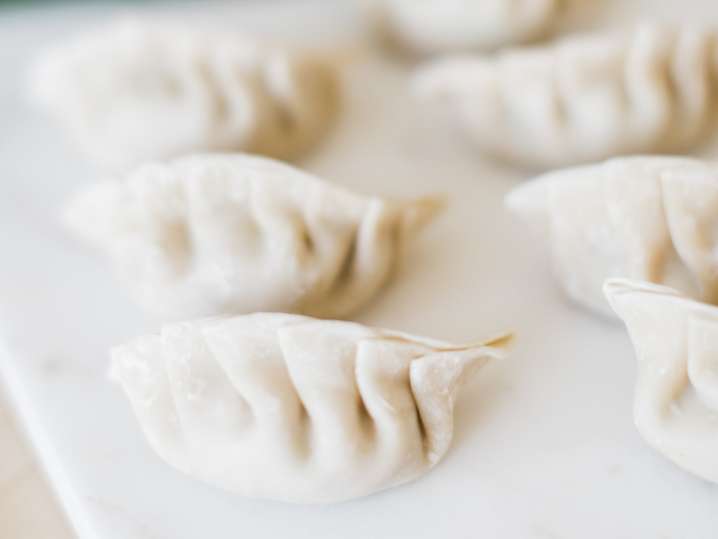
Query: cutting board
[(545, 446)]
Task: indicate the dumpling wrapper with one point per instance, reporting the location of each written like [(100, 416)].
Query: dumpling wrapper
[(646, 218), (229, 234), (141, 90), (584, 98), (676, 402), (434, 26), (295, 409)]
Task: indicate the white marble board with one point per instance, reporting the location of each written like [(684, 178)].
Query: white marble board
[(545, 445)]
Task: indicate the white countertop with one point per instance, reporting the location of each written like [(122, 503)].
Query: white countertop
[(545, 445)]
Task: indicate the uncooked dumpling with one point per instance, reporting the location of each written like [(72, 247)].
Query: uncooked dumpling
[(648, 218), (584, 99), (676, 341), (429, 26), (213, 234), (136, 91), (296, 409)]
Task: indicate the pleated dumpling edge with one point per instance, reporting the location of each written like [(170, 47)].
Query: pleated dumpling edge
[(231, 233), (583, 98), (676, 398), (296, 409), (140, 89), (649, 218)]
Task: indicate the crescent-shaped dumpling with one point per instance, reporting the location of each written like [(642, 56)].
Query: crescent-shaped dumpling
[(431, 26), (647, 218), (141, 90), (676, 341), (225, 234), (296, 409), (585, 98)]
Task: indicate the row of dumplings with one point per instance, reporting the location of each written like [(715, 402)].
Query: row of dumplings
[(581, 99), (212, 90), (299, 409), (218, 239), (641, 232), (268, 404)]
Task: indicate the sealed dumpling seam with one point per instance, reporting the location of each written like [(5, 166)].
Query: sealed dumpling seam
[(296, 409), (585, 98), (649, 218), (676, 399), (226, 234), (138, 90)]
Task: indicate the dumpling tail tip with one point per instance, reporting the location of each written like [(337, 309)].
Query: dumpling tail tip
[(419, 212), (497, 347), (528, 199), (617, 289), (494, 348), (502, 342)]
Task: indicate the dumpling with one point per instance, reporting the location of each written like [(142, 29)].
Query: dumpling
[(212, 234), (296, 409), (138, 90), (648, 218), (584, 99), (676, 341), (432, 26)]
